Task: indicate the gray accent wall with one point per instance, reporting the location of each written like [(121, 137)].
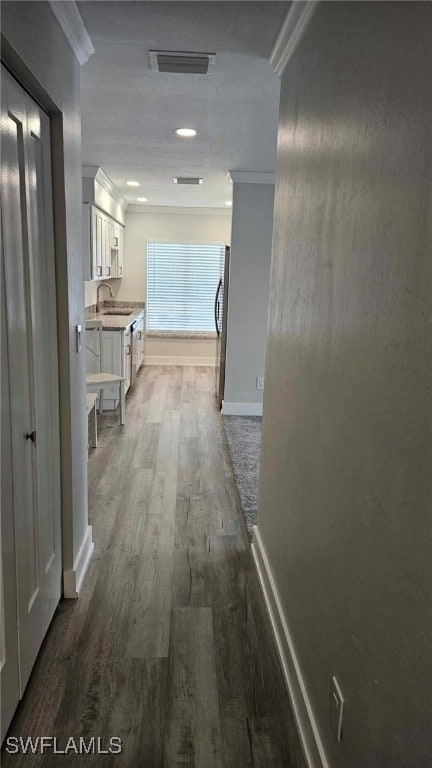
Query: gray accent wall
[(345, 500), (36, 51), (251, 243)]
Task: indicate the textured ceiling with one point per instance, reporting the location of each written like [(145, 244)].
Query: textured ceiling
[(129, 113)]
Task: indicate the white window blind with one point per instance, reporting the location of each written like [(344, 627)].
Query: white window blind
[(182, 280)]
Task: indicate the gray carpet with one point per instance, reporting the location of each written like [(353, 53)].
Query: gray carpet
[(244, 441)]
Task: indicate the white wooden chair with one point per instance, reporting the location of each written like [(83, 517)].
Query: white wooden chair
[(101, 379)]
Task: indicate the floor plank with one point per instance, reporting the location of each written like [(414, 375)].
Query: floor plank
[(122, 698), (193, 723), (169, 646)]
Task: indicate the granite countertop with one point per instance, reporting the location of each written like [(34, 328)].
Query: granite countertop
[(196, 335), (115, 322)]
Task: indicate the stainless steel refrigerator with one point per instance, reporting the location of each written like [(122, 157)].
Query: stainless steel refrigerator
[(221, 316)]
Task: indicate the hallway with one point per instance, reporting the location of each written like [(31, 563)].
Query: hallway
[(170, 646)]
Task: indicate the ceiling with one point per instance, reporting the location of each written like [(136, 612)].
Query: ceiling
[(129, 112)]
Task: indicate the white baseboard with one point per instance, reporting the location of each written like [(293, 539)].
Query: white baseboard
[(178, 360), (72, 580), (307, 728), (241, 409)]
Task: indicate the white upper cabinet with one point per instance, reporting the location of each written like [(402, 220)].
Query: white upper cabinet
[(117, 249), (102, 244), (115, 234), (103, 224), (120, 270), (96, 241), (106, 245)]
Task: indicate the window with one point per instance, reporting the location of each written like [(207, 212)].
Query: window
[(182, 280)]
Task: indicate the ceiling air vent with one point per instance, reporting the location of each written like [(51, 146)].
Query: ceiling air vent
[(181, 63), (187, 180)]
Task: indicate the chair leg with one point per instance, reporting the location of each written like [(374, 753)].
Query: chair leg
[(122, 404), (101, 399), (93, 427)]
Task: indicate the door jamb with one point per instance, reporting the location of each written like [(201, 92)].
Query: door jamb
[(27, 79)]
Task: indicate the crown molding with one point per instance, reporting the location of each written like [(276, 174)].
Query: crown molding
[(183, 210), (96, 173), (293, 28), (252, 177), (68, 16)]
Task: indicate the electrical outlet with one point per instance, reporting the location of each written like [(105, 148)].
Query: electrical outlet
[(336, 708), (260, 382)]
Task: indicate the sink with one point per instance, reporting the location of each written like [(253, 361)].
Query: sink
[(117, 312)]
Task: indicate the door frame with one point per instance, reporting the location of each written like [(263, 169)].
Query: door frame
[(29, 302), (19, 70), (9, 663)]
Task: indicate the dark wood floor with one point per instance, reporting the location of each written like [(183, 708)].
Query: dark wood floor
[(169, 646)]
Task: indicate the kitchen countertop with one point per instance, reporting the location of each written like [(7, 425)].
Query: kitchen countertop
[(196, 335), (115, 322)]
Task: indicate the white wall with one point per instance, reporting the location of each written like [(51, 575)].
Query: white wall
[(179, 227), (184, 225), (252, 224), (90, 288), (345, 487), (37, 52)]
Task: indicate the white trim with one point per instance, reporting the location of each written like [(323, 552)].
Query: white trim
[(241, 409), (252, 177), (299, 16), (96, 173), (72, 580), (305, 720), (194, 360), (134, 208), (68, 16)]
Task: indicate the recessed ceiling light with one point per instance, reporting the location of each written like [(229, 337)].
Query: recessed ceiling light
[(133, 183), (142, 199), (187, 133), (228, 203)]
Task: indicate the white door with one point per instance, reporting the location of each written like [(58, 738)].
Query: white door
[(141, 332), (31, 524), (106, 229), (120, 266), (100, 242), (10, 691), (96, 243), (127, 357)]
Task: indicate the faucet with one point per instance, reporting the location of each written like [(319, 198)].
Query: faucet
[(98, 301)]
